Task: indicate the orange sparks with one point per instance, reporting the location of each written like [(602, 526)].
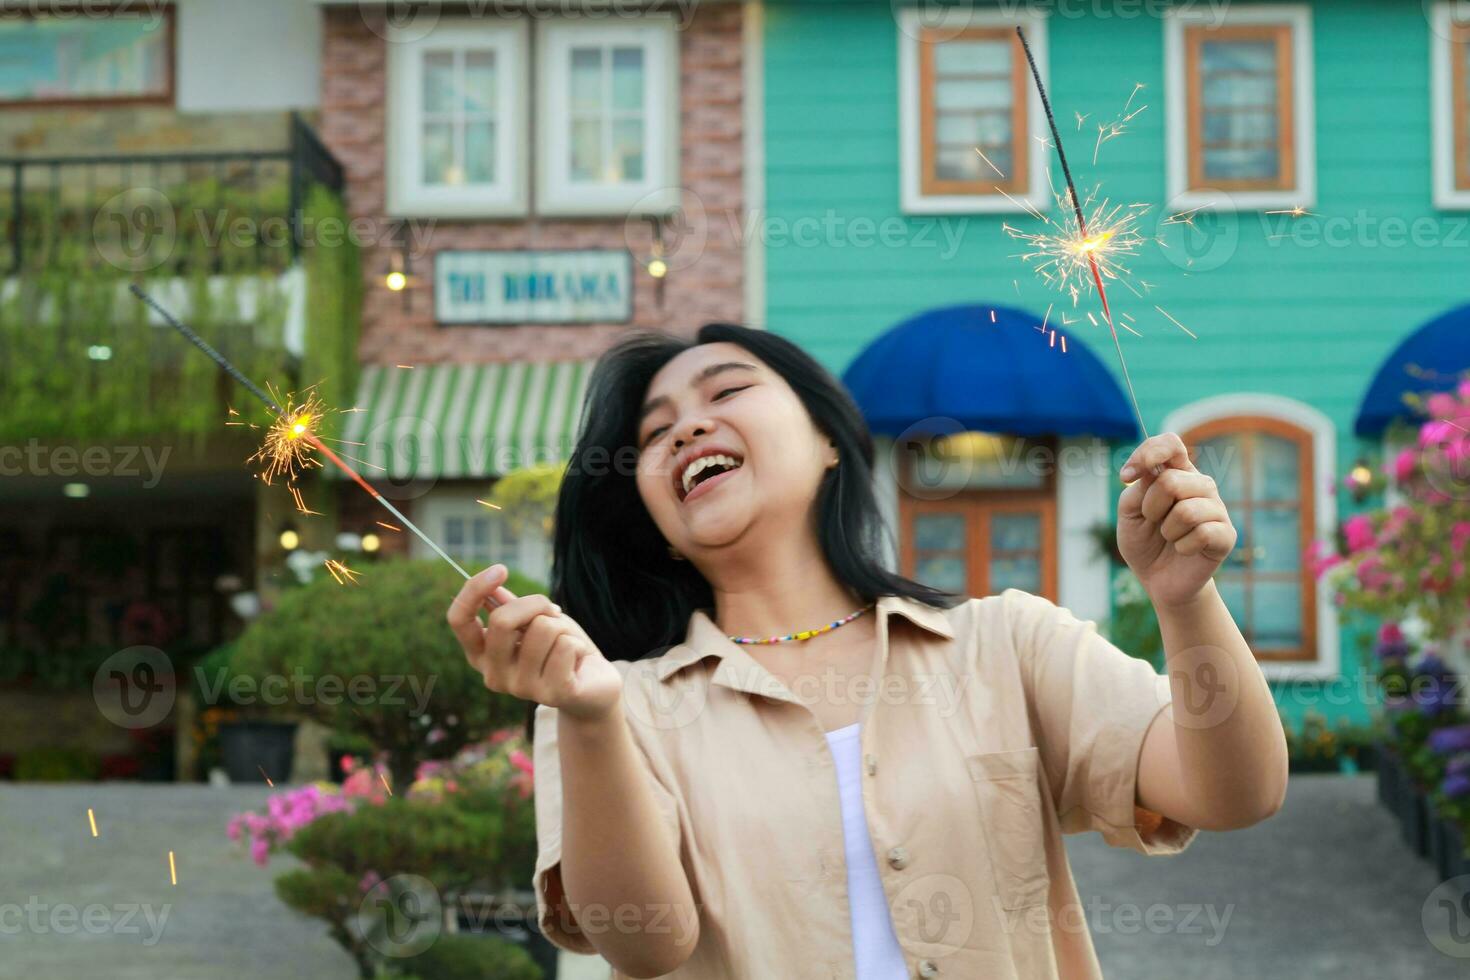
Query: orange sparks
[(384, 780), (992, 316), (173, 870), (340, 572), (406, 367), (497, 506), (265, 777), (1296, 212), (92, 819), (388, 526)]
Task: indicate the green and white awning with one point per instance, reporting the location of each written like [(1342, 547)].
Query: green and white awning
[(465, 421)]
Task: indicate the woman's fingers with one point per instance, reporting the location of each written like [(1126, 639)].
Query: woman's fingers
[(1172, 487), (463, 614), (504, 638), (1155, 454)]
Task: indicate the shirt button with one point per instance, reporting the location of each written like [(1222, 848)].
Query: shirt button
[(872, 764), (928, 968), (898, 858)]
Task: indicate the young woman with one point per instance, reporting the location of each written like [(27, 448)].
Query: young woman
[(761, 755)]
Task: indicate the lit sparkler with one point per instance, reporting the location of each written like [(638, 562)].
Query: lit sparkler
[(296, 427), (1094, 249), (340, 572)]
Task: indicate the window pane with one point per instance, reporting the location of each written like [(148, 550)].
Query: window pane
[(1015, 573), (479, 151), (970, 129), (963, 163), (1277, 613), (1223, 91), (439, 81), (942, 573), (972, 57), (1277, 545), (627, 151), (454, 533), (1276, 475), (481, 528), (71, 57), (1015, 532), (1244, 164), (438, 153), (1240, 127), (586, 149), (1238, 56), (627, 80), (939, 532), (586, 79), (1221, 459), (479, 81), (973, 94)]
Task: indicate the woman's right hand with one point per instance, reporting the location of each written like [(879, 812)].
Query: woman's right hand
[(530, 649)]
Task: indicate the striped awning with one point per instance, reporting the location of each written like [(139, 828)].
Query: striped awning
[(446, 421)]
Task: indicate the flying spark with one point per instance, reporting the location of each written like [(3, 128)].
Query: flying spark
[(92, 819), (340, 572)]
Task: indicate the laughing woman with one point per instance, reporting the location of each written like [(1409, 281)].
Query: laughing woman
[(761, 755)]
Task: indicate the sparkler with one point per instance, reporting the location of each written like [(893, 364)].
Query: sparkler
[(1095, 247), (293, 432)]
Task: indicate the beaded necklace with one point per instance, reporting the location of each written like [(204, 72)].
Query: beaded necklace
[(804, 634)]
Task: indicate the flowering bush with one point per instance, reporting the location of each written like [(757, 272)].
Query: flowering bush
[(1411, 558), (289, 811)]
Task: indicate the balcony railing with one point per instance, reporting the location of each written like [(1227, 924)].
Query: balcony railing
[(163, 213)]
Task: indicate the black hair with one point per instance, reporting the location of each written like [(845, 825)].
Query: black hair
[(611, 568)]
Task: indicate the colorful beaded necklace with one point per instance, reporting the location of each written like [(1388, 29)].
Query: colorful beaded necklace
[(804, 634)]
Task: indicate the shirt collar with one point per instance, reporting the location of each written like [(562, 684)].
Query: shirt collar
[(704, 639)]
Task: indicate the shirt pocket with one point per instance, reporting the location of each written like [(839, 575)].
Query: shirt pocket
[(1008, 789)]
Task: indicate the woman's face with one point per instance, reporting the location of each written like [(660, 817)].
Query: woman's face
[(726, 451)]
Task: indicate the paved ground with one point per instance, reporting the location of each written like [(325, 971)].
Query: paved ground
[(1325, 889)]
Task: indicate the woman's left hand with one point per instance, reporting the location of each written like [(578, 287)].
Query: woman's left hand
[(1173, 530)]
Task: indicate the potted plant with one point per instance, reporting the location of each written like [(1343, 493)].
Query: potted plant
[(341, 748), (257, 741), (1451, 801)]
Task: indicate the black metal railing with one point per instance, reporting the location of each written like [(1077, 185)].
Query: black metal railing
[(163, 212)]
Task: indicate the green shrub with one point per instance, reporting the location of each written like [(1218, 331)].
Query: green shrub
[(389, 628), (462, 957), (57, 765)]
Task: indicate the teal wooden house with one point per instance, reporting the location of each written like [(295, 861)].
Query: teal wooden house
[(1298, 179)]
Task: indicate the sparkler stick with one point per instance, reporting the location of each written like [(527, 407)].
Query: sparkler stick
[(280, 413), (1081, 225)]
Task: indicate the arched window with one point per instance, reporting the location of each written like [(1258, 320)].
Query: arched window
[(1266, 474)]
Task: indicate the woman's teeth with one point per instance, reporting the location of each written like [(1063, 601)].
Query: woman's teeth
[(703, 463)]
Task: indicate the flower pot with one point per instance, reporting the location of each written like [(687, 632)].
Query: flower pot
[(253, 750), (1389, 781), (1414, 821), (486, 915)]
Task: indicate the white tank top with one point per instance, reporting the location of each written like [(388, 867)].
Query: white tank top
[(874, 944)]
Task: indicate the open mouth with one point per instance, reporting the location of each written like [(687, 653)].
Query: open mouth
[(705, 469)]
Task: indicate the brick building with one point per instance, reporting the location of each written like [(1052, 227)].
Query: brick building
[(537, 183)]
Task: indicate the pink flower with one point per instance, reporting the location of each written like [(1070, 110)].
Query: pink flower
[(1403, 465), (522, 762), (259, 850), (1359, 532), (1464, 389), (369, 881), (1390, 633), (1441, 405), (349, 763), (232, 831)]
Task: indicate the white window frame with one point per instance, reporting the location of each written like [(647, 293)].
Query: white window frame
[(1447, 196), (448, 501), (658, 191), (1328, 664), (1176, 98), (407, 194), (911, 25)]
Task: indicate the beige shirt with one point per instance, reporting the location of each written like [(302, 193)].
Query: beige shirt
[(999, 725)]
